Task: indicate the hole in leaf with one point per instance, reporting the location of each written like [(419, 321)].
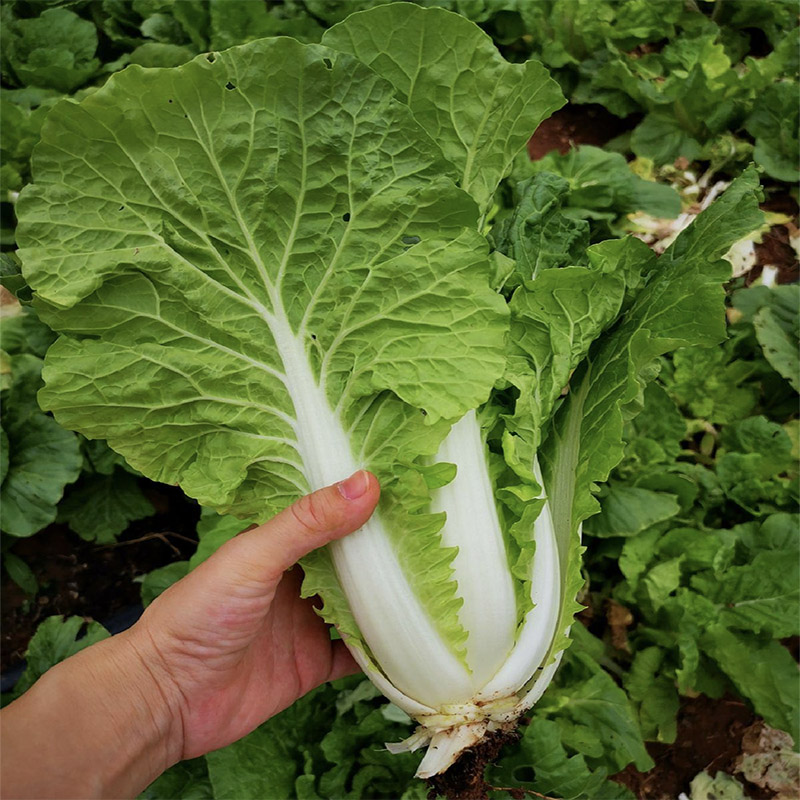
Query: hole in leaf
[(314, 336), (186, 116), (424, 412), (121, 208), (411, 240), (328, 63), (346, 216), (170, 100), (211, 57), (229, 86)]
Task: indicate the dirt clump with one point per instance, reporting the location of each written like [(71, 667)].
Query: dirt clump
[(464, 780)]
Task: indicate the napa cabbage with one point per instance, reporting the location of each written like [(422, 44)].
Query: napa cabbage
[(268, 268)]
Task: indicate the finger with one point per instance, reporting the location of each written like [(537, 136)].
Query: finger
[(342, 662), (314, 520)]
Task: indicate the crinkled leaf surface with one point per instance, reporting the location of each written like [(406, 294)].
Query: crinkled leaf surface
[(101, 507), (242, 220), (601, 184), (270, 255), (39, 457), (480, 109), (538, 234), (54, 50), (594, 715), (680, 304)]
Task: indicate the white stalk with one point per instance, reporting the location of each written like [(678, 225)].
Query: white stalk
[(445, 748), (539, 684), (386, 687), (481, 566), (538, 629), (397, 627)]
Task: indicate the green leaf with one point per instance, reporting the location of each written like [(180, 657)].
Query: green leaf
[(554, 321), (20, 573), (763, 672), (760, 596), (42, 457), (54, 50), (327, 304), (654, 694), (159, 580), (773, 123), (237, 23), (101, 507), (5, 459), (662, 581), (539, 235), (756, 468), (628, 510), (480, 109), (711, 386), (595, 716), (724, 222), (55, 640), (365, 343), (681, 304), (556, 772), (777, 328), (186, 780), (158, 54), (661, 138), (24, 332), (602, 184)]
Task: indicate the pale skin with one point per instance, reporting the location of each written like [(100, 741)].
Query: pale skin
[(217, 654)]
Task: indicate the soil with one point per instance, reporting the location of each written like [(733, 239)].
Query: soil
[(90, 580), (775, 251), (710, 734), (464, 780), (578, 124)]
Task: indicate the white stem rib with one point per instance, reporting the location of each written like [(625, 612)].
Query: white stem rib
[(394, 624), (481, 566), (536, 635)]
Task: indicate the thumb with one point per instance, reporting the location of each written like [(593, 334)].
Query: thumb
[(264, 553)]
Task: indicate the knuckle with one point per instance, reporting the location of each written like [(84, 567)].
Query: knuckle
[(309, 513)]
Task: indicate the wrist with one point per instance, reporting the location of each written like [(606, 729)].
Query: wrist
[(98, 720)]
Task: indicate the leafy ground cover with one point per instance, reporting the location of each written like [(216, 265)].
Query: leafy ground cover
[(691, 568)]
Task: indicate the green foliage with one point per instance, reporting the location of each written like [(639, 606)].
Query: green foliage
[(696, 528), (713, 597), (55, 50), (40, 457), (329, 744), (160, 579), (186, 780), (602, 186), (690, 75), (56, 639)]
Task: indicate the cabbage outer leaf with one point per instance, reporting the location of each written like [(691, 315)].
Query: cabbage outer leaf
[(253, 258), (480, 109)]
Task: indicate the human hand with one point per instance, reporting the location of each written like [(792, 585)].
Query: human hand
[(233, 643), (219, 652)]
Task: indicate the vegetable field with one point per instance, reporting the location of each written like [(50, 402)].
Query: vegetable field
[(533, 263)]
